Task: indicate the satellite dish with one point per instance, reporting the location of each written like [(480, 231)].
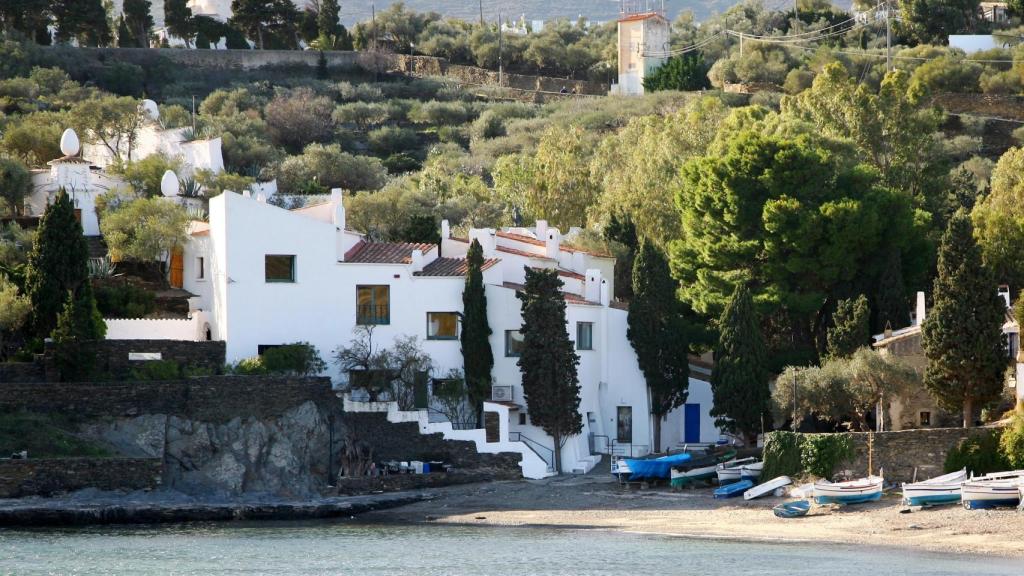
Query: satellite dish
[(150, 109), (169, 184), (69, 144)]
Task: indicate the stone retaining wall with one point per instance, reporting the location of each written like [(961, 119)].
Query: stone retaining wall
[(22, 372), (208, 399), (49, 476), (899, 453), (113, 355)]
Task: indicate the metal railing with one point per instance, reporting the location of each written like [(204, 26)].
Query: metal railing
[(538, 448)]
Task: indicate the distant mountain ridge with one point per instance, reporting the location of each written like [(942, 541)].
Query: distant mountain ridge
[(596, 10)]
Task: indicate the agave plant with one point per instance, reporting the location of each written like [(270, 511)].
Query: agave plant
[(197, 213), (190, 188), (101, 267)]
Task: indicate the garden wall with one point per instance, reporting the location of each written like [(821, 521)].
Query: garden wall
[(113, 355), (899, 453), (22, 372), (46, 476), (153, 328)]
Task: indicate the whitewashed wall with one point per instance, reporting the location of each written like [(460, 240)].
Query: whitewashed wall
[(152, 329)]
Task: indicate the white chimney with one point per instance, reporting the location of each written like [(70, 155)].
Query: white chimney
[(606, 293), (417, 260), (542, 229), (920, 310), (246, 193), (487, 239), (446, 230), (261, 197), (552, 243), (1004, 293), (592, 286)]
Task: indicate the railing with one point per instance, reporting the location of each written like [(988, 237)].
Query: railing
[(537, 447), (367, 314), (629, 450), (501, 393)]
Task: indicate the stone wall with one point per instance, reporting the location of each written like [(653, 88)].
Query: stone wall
[(207, 399), (22, 372), (112, 355), (899, 453), (46, 476), (403, 442)]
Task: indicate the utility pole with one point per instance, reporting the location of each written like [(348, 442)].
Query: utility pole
[(482, 14), (501, 47), (796, 17), (373, 24), (888, 36)]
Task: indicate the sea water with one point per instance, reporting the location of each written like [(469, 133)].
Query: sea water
[(344, 547)]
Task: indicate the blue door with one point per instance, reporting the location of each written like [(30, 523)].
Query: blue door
[(691, 423)]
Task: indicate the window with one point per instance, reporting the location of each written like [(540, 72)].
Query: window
[(513, 343), (624, 426), (442, 325), (926, 418), (279, 268), (200, 268), (373, 305), (584, 335), (522, 418)]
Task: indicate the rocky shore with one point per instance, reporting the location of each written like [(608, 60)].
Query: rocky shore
[(95, 507)]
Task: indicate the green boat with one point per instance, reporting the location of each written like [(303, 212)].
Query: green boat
[(700, 469)]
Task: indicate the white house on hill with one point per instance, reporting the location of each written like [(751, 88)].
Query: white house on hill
[(266, 276)]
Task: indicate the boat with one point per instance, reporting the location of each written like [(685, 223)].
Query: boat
[(700, 469), (851, 492), (939, 490), (654, 468), (980, 493), (751, 471), (733, 489), (767, 487), (793, 509), (730, 471)]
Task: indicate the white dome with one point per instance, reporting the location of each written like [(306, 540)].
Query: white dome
[(69, 144), (169, 184), (150, 109)]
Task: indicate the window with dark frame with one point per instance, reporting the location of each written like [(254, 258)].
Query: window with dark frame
[(522, 418), (279, 267), (584, 335), (624, 424), (926, 418), (200, 268), (262, 348), (442, 325), (513, 343), (373, 305)]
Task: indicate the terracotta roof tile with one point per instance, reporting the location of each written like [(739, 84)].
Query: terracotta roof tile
[(520, 238), (451, 267), (385, 252), (641, 16), (508, 250)]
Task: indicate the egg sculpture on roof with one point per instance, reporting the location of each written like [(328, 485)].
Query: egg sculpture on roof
[(169, 184), (69, 144), (150, 109)]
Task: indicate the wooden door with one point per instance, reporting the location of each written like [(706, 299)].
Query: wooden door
[(177, 268)]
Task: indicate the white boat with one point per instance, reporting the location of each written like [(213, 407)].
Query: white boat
[(992, 490), (730, 471), (939, 490), (751, 471), (767, 487), (851, 492)]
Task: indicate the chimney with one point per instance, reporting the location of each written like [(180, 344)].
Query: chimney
[(920, 310), (339, 209), (542, 229), (246, 194), (552, 243), (417, 260), (606, 293), (1004, 293), (261, 197), (446, 230), (487, 239), (592, 286)]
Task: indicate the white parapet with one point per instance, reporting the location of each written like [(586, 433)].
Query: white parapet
[(153, 329)]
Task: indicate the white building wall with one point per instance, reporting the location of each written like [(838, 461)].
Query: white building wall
[(153, 329)]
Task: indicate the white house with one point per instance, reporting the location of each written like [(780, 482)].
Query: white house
[(266, 276)]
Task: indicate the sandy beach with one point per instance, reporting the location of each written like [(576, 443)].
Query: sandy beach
[(594, 501)]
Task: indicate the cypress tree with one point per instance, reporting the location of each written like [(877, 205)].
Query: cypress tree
[(82, 20), (56, 264), (962, 334), (621, 229), (658, 334), (333, 34), (178, 18), (477, 357), (891, 305), (739, 380), (79, 326), (548, 362), (138, 18), (850, 328)]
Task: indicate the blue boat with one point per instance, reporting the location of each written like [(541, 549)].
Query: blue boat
[(733, 489), (793, 509), (655, 468)]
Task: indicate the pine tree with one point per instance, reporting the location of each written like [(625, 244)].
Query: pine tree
[(178, 18), (891, 305), (548, 362), (477, 357), (56, 264), (81, 20), (962, 334), (333, 34), (739, 380), (265, 20), (138, 18), (79, 327), (125, 39), (29, 17), (850, 328), (658, 334)]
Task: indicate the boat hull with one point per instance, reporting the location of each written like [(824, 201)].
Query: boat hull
[(694, 475), (941, 490), (792, 509), (733, 490), (767, 487), (989, 494), (855, 492)]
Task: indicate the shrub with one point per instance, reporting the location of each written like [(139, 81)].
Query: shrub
[(298, 359), (1011, 443), (781, 455), (329, 167), (247, 367), (793, 454), (363, 114), (488, 125), (156, 370), (299, 117), (124, 301), (980, 453), (389, 140), (438, 113), (453, 134), (348, 92), (401, 162)]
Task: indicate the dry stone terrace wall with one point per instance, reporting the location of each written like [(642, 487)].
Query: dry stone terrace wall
[(208, 399), (899, 453), (113, 355), (22, 372), (46, 476)]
